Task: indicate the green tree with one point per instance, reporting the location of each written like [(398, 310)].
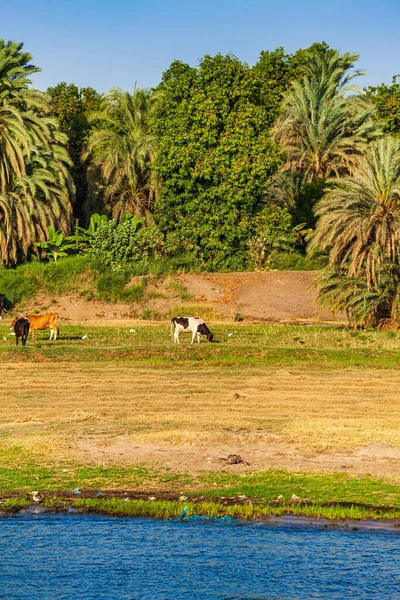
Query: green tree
[(121, 149), (72, 107), (35, 186), (359, 225), (359, 218), (322, 129), (214, 157), (386, 99)]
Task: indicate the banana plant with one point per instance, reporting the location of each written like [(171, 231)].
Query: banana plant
[(57, 244)]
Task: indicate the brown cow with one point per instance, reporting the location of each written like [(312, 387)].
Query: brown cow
[(42, 322)]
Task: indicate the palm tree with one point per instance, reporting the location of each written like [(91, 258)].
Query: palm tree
[(322, 129), (121, 149), (35, 185), (359, 218)]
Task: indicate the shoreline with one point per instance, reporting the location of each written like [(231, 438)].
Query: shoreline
[(286, 519), (172, 506)]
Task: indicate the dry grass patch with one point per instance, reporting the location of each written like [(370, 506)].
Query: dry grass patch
[(55, 410)]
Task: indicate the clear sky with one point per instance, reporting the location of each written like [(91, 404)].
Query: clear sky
[(106, 43)]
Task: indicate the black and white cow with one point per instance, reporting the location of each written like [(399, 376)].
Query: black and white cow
[(2, 303), (193, 325)]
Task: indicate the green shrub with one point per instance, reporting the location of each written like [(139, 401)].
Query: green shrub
[(110, 285), (294, 261), (133, 293), (116, 244)]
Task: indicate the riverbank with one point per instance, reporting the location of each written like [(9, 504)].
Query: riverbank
[(333, 496)]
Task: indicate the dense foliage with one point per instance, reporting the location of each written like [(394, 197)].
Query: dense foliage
[(214, 157), (386, 99), (223, 165)]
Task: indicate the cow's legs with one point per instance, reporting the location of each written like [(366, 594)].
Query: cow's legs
[(176, 337), (198, 338), (51, 333), (193, 336), (55, 334)]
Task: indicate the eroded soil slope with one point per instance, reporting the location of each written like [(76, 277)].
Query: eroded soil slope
[(284, 296)]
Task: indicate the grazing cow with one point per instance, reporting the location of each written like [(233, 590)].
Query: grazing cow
[(192, 324), (21, 329), (2, 303), (44, 322)]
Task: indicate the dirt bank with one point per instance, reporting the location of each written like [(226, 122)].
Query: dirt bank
[(274, 296)]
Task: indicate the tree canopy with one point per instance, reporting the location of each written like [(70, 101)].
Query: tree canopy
[(214, 156)]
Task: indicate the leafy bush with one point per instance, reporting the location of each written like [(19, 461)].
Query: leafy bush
[(115, 244)]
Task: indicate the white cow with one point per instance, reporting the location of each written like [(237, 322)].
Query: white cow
[(191, 324)]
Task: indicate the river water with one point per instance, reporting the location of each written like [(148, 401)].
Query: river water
[(85, 557)]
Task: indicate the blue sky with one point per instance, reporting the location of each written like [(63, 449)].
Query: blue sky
[(101, 43)]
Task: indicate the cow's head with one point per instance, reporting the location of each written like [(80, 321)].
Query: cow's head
[(210, 337)]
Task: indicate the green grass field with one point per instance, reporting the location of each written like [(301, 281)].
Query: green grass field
[(239, 344)]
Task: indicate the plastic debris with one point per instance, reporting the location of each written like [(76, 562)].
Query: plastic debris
[(35, 496), (183, 513), (126, 499), (152, 498), (184, 517), (99, 494), (84, 337), (295, 498), (11, 333), (131, 331), (77, 491), (182, 498), (4, 338), (230, 334)]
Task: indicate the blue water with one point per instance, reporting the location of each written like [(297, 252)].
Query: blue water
[(82, 557)]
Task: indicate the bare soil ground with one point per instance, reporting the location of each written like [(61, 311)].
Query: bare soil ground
[(188, 420), (273, 296)]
